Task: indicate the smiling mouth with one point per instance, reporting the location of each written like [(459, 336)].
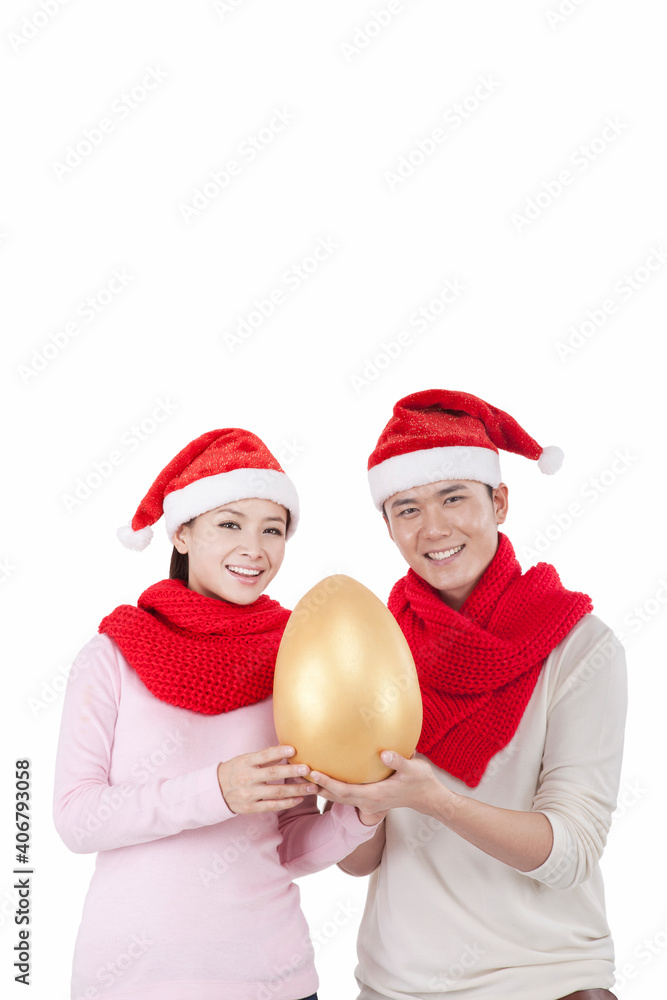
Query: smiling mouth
[(244, 571), (445, 554)]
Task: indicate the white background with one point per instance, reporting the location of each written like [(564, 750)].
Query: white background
[(358, 97)]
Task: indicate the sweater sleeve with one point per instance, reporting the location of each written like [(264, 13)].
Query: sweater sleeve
[(581, 765), (312, 840), (90, 813)]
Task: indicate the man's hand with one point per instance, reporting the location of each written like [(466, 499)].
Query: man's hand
[(520, 838), (412, 785), (245, 781)]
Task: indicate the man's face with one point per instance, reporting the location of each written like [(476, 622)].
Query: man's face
[(447, 532)]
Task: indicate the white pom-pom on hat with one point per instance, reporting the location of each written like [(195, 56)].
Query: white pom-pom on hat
[(135, 540), (550, 460)]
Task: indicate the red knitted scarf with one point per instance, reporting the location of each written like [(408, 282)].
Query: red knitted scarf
[(478, 666), (197, 652)]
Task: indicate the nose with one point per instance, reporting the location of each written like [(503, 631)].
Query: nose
[(250, 545), (435, 523)]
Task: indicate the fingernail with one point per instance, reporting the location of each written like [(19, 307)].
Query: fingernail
[(303, 769), (386, 757), (287, 750)]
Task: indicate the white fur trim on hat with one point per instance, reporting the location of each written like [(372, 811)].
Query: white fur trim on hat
[(431, 465), (225, 487)]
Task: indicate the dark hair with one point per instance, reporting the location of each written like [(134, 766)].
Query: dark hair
[(179, 568), (489, 490)]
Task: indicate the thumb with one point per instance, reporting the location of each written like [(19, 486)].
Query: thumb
[(393, 759)]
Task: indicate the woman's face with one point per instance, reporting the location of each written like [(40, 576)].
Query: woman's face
[(235, 550)]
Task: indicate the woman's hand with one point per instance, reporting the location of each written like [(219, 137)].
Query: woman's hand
[(412, 784), (245, 781)]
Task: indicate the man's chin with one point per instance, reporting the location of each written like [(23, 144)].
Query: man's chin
[(438, 578)]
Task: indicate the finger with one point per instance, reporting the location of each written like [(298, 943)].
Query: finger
[(319, 790), (274, 805), (277, 772), (270, 755), (285, 791), (325, 794), (331, 784), (322, 792), (393, 759)]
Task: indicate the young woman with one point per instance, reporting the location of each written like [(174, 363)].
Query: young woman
[(486, 882), (167, 762)]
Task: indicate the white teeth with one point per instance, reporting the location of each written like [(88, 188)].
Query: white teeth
[(446, 554), (244, 571)]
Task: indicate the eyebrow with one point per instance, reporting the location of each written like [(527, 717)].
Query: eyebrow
[(456, 488), (240, 513)]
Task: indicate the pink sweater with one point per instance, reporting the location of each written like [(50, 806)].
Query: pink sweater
[(188, 901)]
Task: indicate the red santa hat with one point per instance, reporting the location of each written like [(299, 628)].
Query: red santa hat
[(441, 434), (217, 468)]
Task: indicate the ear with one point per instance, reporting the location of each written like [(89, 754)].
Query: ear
[(501, 502), (178, 538)]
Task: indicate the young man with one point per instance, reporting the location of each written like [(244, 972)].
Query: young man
[(485, 873)]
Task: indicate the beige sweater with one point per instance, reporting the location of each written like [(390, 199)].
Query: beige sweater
[(443, 919)]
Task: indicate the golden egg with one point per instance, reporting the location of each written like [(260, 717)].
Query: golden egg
[(345, 683)]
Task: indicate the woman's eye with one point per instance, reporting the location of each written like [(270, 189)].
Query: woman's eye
[(274, 531), (228, 524)]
